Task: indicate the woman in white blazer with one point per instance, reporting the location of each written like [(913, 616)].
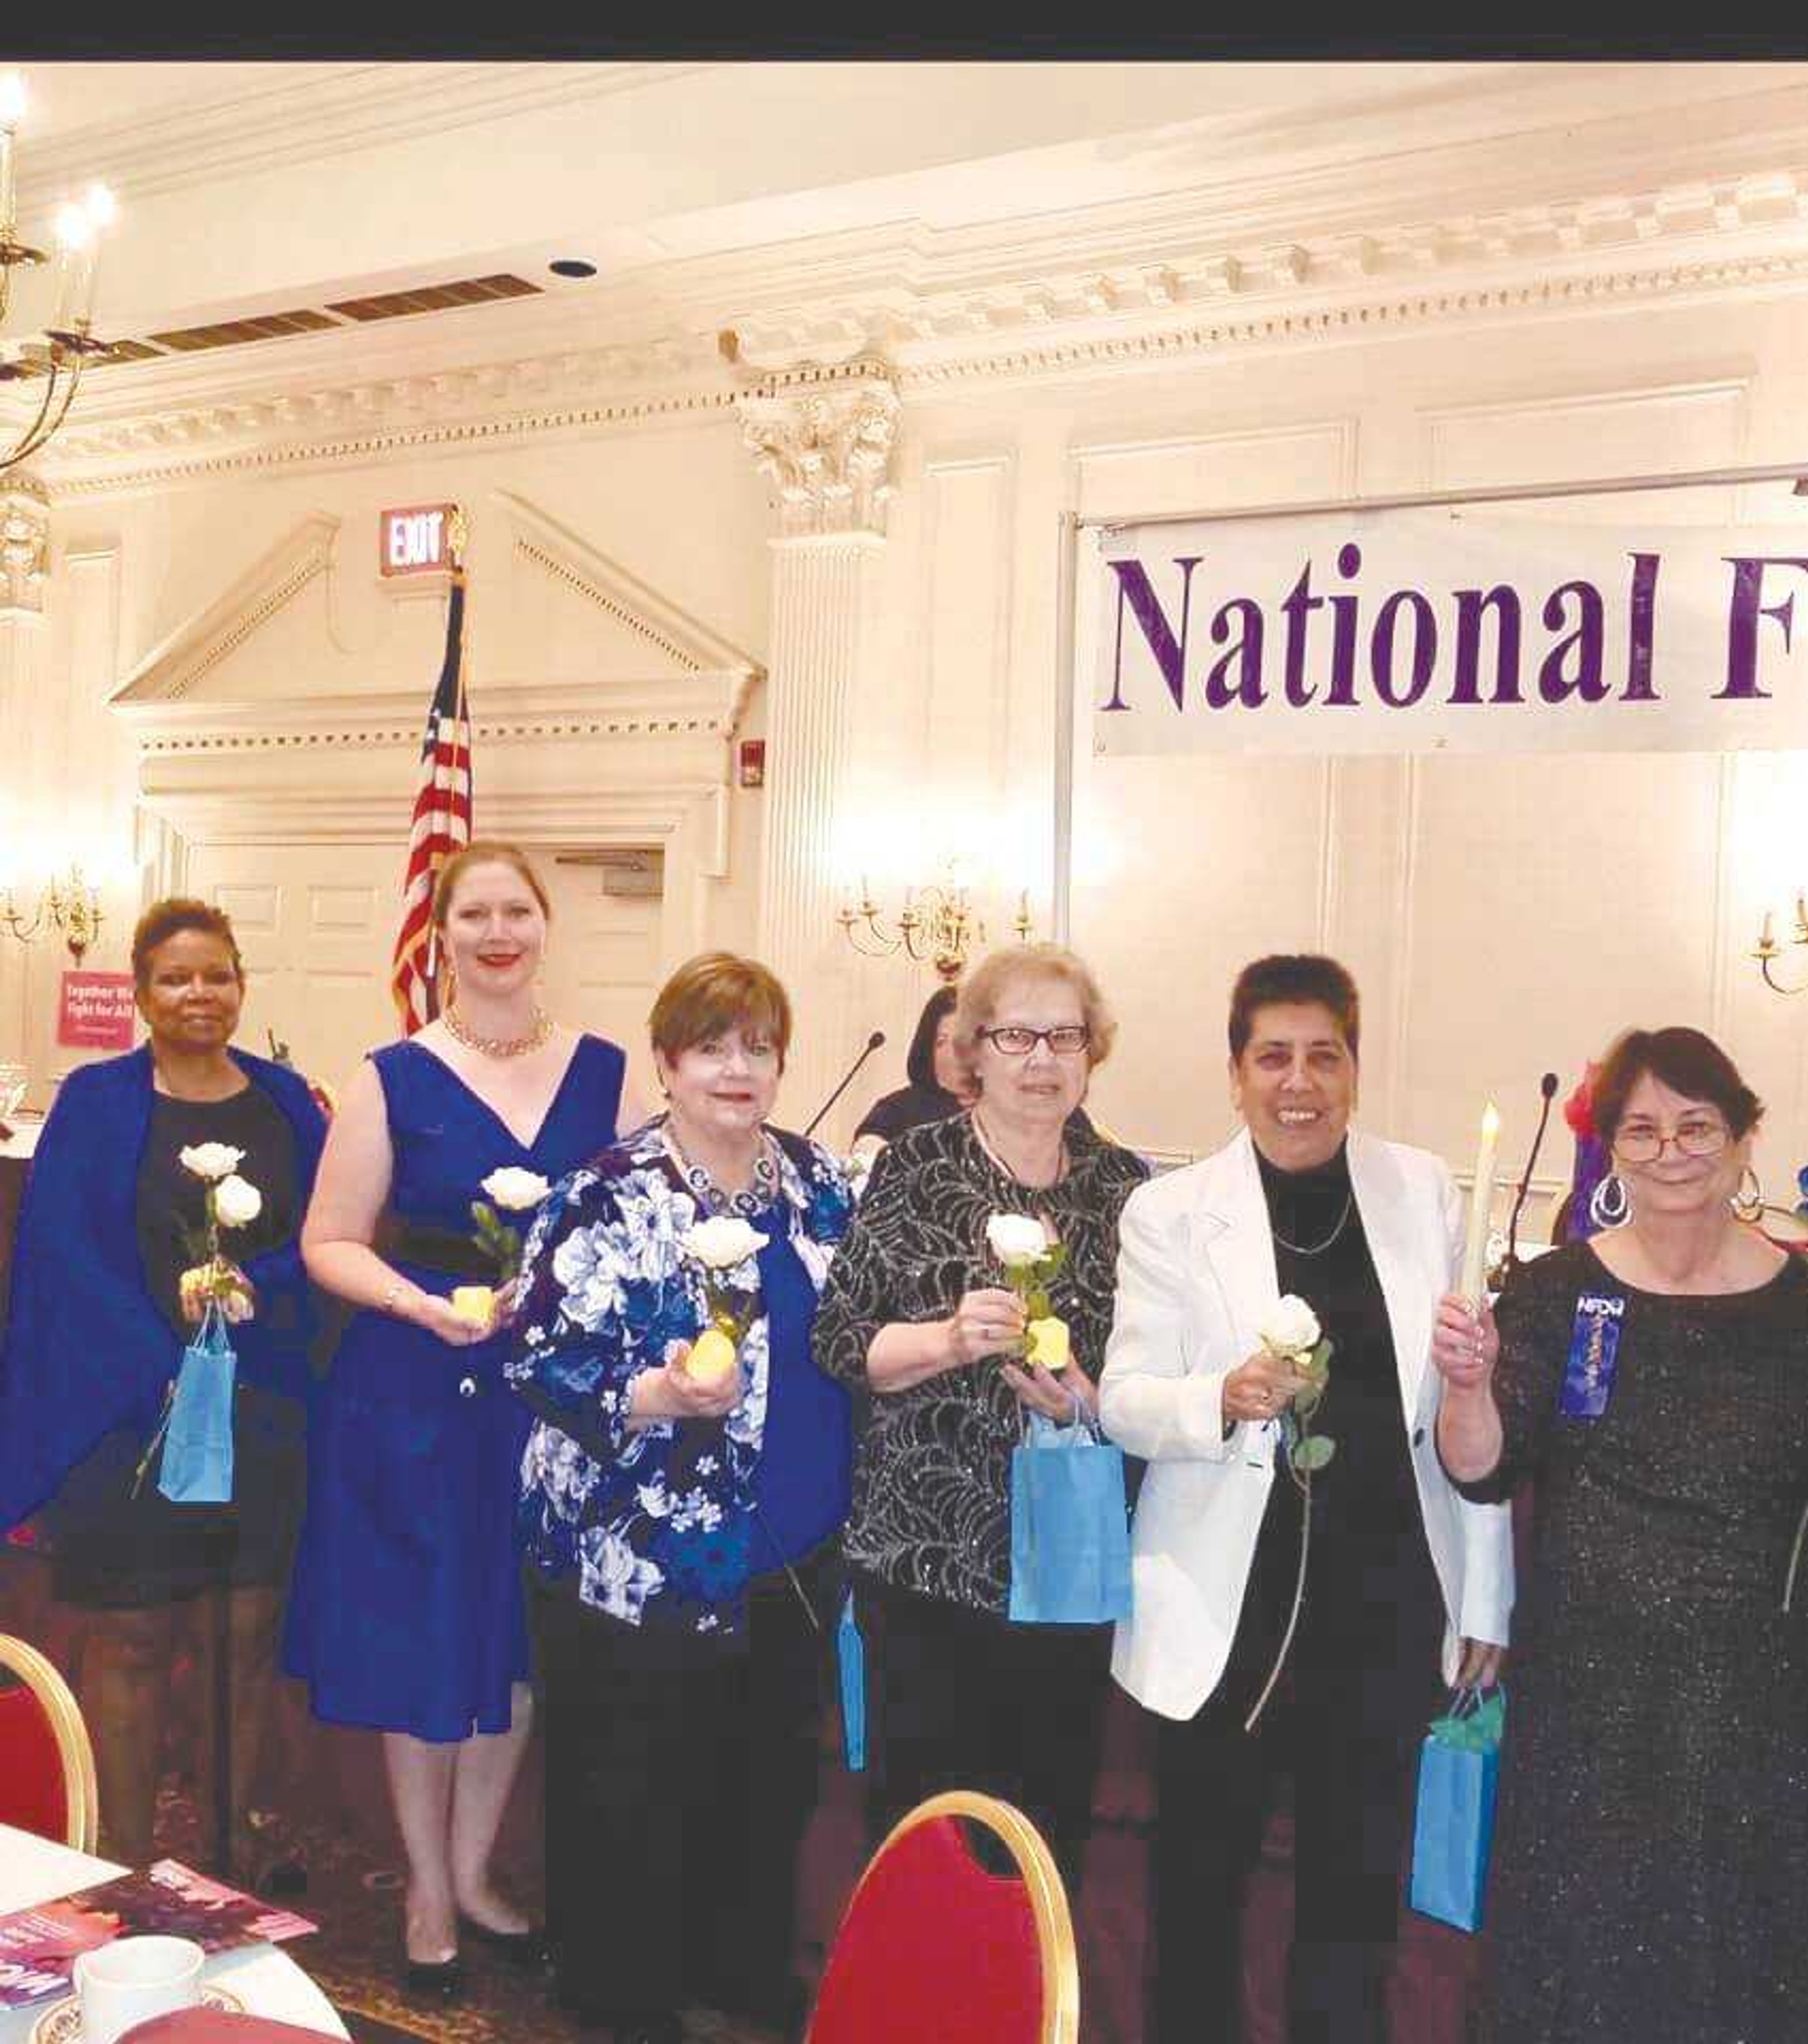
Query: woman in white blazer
[(1407, 1586)]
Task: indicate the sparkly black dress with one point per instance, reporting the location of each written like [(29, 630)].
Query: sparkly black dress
[(1650, 1878)]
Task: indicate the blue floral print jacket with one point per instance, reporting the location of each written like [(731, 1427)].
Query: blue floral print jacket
[(653, 1520)]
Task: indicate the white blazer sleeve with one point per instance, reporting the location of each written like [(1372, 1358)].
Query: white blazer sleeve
[(1146, 1400), (1486, 1529)]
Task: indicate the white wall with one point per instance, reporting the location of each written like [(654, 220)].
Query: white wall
[(1504, 916)]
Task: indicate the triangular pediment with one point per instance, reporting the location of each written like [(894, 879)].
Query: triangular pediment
[(575, 615), (270, 602)]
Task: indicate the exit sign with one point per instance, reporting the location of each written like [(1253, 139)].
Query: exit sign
[(417, 539)]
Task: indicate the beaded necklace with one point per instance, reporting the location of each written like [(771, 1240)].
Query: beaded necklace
[(710, 1197)]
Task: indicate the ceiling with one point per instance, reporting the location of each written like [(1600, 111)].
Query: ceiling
[(834, 199)]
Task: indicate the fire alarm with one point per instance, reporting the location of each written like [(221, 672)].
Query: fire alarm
[(753, 762)]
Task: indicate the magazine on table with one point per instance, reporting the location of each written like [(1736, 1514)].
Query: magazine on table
[(39, 1946)]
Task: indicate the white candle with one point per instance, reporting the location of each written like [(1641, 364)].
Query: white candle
[(1474, 1285)]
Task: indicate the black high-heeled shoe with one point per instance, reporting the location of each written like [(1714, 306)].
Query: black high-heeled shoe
[(440, 1979), (526, 1947)]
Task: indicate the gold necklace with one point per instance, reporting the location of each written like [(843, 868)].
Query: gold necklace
[(499, 1047)]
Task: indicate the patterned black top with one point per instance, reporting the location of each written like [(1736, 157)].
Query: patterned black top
[(932, 1475)]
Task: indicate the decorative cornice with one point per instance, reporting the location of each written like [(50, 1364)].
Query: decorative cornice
[(24, 543), (1309, 293), (705, 705), (826, 452)]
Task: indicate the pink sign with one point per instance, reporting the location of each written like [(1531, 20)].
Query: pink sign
[(97, 1012)]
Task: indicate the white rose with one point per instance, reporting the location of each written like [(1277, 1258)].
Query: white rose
[(515, 1190), (1290, 1328), (236, 1201), (212, 1160), (721, 1243), (1017, 1239)]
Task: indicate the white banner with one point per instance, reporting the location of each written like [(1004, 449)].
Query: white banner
[(1425, 630)]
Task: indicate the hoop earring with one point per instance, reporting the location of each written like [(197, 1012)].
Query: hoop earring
[(1748, 1206), (1610, 1205)]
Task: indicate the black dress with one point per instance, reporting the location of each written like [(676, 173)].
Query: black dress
[(115, 1548), (1650, 1878)]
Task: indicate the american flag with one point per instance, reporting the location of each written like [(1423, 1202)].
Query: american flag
[(442, 823)]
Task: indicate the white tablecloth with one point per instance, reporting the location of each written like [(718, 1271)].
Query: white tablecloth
[(264, 1977)]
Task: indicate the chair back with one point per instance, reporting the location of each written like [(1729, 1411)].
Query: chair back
[(935, 1944), (47, 1765)]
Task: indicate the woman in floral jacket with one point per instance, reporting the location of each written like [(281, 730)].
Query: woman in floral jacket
[(682, 1496)]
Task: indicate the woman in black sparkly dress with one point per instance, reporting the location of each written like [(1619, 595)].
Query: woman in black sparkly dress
[(1650, 1879)]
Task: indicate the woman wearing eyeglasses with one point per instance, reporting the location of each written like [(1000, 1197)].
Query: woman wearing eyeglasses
[(917, 1314), (1650, 1876)]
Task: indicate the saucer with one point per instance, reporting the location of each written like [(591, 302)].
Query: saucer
[(61, 2023)]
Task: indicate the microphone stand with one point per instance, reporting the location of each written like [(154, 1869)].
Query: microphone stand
[(1546, 1087), (873, 1043)]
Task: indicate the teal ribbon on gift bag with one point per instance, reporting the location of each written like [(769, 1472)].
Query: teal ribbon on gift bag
[(198, 1436)]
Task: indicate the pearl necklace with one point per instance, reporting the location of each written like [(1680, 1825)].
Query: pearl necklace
[(499, 1047), (710, 1197)]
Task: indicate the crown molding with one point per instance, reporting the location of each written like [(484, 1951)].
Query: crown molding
[(194, 424)]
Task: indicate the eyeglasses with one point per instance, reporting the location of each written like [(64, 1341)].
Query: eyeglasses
[(1067, 1041), (1704, 1136)]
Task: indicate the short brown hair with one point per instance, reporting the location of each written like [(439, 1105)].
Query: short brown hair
[(714, 993), (1685, 1060), (169, 918), (1295, 979), (983, 988), (484, 851)]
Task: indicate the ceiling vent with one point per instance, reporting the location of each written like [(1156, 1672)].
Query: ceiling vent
[(230, 333), (435, 297)]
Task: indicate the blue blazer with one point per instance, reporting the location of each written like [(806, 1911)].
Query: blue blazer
[(85, 1350)]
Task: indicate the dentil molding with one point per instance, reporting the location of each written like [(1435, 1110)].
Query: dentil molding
[(147, 428)]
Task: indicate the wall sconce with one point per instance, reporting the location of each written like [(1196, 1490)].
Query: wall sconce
[(70, 906), (937, 925)]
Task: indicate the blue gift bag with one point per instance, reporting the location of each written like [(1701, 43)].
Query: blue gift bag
[(1453, 1828), (850, 1653), (1070, 1527), (198, 1440)]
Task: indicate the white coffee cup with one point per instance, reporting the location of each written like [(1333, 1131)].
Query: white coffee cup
[(130, 1979)]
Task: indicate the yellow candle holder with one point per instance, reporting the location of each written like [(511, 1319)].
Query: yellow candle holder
[(1047, 1340), (712, 1356), (474, 1303)]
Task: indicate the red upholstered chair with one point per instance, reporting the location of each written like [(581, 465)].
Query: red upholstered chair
[(937, 1944), (47, 1766)]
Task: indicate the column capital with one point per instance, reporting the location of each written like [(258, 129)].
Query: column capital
[(25, 542), (825, 447)]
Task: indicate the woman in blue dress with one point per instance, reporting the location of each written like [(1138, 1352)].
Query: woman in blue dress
[(406, 1614)]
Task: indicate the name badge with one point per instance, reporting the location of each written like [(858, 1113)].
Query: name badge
[(1593, 1356)]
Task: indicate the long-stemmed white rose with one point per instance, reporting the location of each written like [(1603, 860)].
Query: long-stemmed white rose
[(720, 1244), (231, 1202), (1031, 1259), (511, 1190), (1291, 1333)]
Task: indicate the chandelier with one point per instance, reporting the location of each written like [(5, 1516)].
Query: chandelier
[(937, 925), (58, 355), (1769, 949)]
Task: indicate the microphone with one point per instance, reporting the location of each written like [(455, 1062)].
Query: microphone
[(1547, 1087), (873, 1043)]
